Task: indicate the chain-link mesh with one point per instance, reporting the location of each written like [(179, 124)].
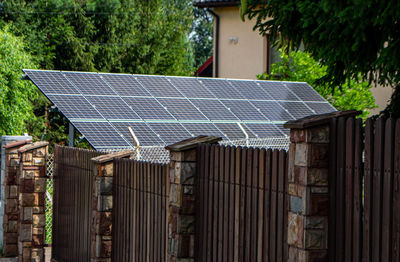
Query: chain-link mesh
[(159, 154), (271, 142), (49, 198)]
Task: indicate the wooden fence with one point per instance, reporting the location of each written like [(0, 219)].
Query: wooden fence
[(364, 222), (242, 204), (72, 210), (140, 209)]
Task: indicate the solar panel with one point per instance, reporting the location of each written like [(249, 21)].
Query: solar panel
[(159, 86), (163, 110), (297, 109), (264, 130), (148, 108), (214, 109), (278, 91), (112, 107), (272, 110), (190, 87), (244, 110), (125, 85), (89, 84), (198, 129), (142, 131), (250, 89), (170, 132), (221, 89), (101, 135), (182, 109), (52, 82), (75, 106), (321, 108), (304, 92)]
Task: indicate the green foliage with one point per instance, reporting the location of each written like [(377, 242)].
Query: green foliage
[(202, 36), (144, 37), (300, 66), (16, 95), (351, 38)]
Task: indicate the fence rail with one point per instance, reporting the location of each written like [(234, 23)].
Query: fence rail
[(242, 199), (72, 203), (140, 211)]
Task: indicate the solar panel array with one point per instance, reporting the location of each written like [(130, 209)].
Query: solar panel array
[(163, 110)]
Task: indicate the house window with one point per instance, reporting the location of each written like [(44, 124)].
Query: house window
[(273, 55)]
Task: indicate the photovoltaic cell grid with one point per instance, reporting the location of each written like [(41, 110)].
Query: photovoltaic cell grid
[(163, 110)]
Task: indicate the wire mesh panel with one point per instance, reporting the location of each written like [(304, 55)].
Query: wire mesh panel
[(49, 198)]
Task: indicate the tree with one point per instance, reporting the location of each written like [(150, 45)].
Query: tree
[(201, 36), (16, 95), (300, 66), (351, 38)]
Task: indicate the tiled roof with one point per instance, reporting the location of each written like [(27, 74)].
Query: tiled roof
[(213, 3)]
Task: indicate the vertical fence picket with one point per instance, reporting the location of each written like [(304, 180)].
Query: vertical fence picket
[(267, 207), (221, 175), (254, 204), (232, 204), (396, 196), (215, 204), (237, 179), (226, 187), (281, 204), (242, 204), (358, 190), (260, 192), (349, 167), (387, 193), (248, 178), (377, 191)]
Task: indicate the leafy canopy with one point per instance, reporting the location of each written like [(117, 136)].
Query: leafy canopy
[(352, 38), (300, 66), (16, 95)]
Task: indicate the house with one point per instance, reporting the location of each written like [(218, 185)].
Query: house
[(240, 52)]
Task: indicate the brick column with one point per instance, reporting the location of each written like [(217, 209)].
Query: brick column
[(32, 186), (102, 205), (11, 186), (308, 187), (181, 217)]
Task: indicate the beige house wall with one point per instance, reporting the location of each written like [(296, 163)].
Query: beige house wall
[(382, 96), (244, 59)]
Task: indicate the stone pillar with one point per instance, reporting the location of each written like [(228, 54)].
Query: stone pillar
[(102, 205), (181, 217), (11, 194), (308, 187), (32, 189)]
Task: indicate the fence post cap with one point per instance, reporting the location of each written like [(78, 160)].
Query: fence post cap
[(30, 146), (109, 157), (17, 143), (318, 120), (192, 143)]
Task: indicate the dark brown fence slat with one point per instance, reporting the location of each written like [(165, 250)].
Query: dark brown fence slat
[(281, 204), (238, 157), (254, 205), (247, 233), (368, 193), (349, 167), (274, 202), (260, 192), (215, 204), (332, 190), (377, 191), (387, 193), (232, 201), (340, 190), (357, 182), (226, 186), (396, 196), (220, 203), (242, 205), (267, 206)]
